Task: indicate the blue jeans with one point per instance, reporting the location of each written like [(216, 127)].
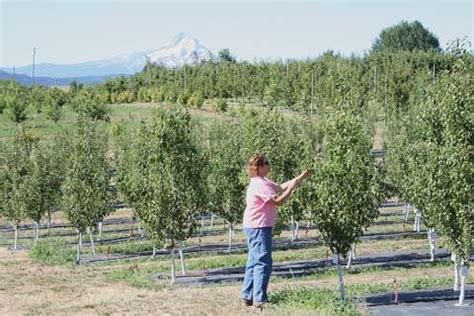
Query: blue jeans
[(259, 264)]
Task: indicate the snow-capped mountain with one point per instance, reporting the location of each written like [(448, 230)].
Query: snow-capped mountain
[(184, 49)]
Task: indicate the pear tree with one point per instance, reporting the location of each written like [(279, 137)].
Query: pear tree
[(165, 181), (226, 162), (345, 185), (15, 178), (87, 194)]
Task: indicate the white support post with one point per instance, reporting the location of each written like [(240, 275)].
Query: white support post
[(181, 258), (464, 275), (92, 240), (231, 228), (36, 232), (340, 275), (406, 211), (456, 272), (416, 227), (292, 230), (173, 267), (15, 227), (212, 222), (350, 256), (79, 244), (202, 225), (99, 226), (432, 236)]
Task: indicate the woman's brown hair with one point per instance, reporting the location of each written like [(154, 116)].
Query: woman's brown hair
[(255, 161)]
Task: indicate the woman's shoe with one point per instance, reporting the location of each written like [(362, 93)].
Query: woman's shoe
[(259, 305), (246, 302)]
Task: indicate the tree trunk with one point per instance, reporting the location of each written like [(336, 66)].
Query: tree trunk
[(350, 256), (15, 227), (464, 274), (340, 275), (173, 267), (292, 230), (212, 222), (406, 209), (231, 228), (349, 261), (99, 228), (297, 229), (79, 244), (140, 230), (432, 239), (49, 219), (36, 232), (456, 273), (202, 225), (181, 258), (154, 252), (307, 228), (89, 231), (417, 221)]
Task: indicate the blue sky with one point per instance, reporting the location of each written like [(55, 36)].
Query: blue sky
[(75, 31)]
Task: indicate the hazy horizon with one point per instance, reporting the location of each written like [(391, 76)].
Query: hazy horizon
[(68, 32)]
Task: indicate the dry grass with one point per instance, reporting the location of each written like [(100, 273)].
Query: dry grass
[(30, 288)]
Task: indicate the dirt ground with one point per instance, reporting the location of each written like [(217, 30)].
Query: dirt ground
[(29, 288), (32, 289)]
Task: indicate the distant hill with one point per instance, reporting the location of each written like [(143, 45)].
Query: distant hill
[(184, 49), (48, 81)]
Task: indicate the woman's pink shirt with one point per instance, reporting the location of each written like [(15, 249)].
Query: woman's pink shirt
[(260, 210)]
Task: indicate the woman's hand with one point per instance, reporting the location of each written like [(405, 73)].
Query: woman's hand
[(307, 173), (304, 175)]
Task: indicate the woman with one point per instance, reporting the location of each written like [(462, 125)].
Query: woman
[(263, 197)]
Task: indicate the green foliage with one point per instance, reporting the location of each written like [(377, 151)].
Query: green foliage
[(54, 101), (430, 158), (46, 177), (15, 176), (86, 187), (226, 162), (300, 145), (91, 104), (75, 87), (52, 252), (406, 36), (221, 105), (164, 176), (16, 108), (262, 133), (324, 301), (196, 100), (388, 77), (345, 183), (225, 55)]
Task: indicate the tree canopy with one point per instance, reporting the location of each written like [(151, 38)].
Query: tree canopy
[(225, 55), (406, 36)]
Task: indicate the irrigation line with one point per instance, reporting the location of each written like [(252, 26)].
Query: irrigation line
[(304, 268), (430, 295), (221, 248)]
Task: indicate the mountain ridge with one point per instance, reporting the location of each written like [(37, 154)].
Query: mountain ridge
[(183, 49)]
